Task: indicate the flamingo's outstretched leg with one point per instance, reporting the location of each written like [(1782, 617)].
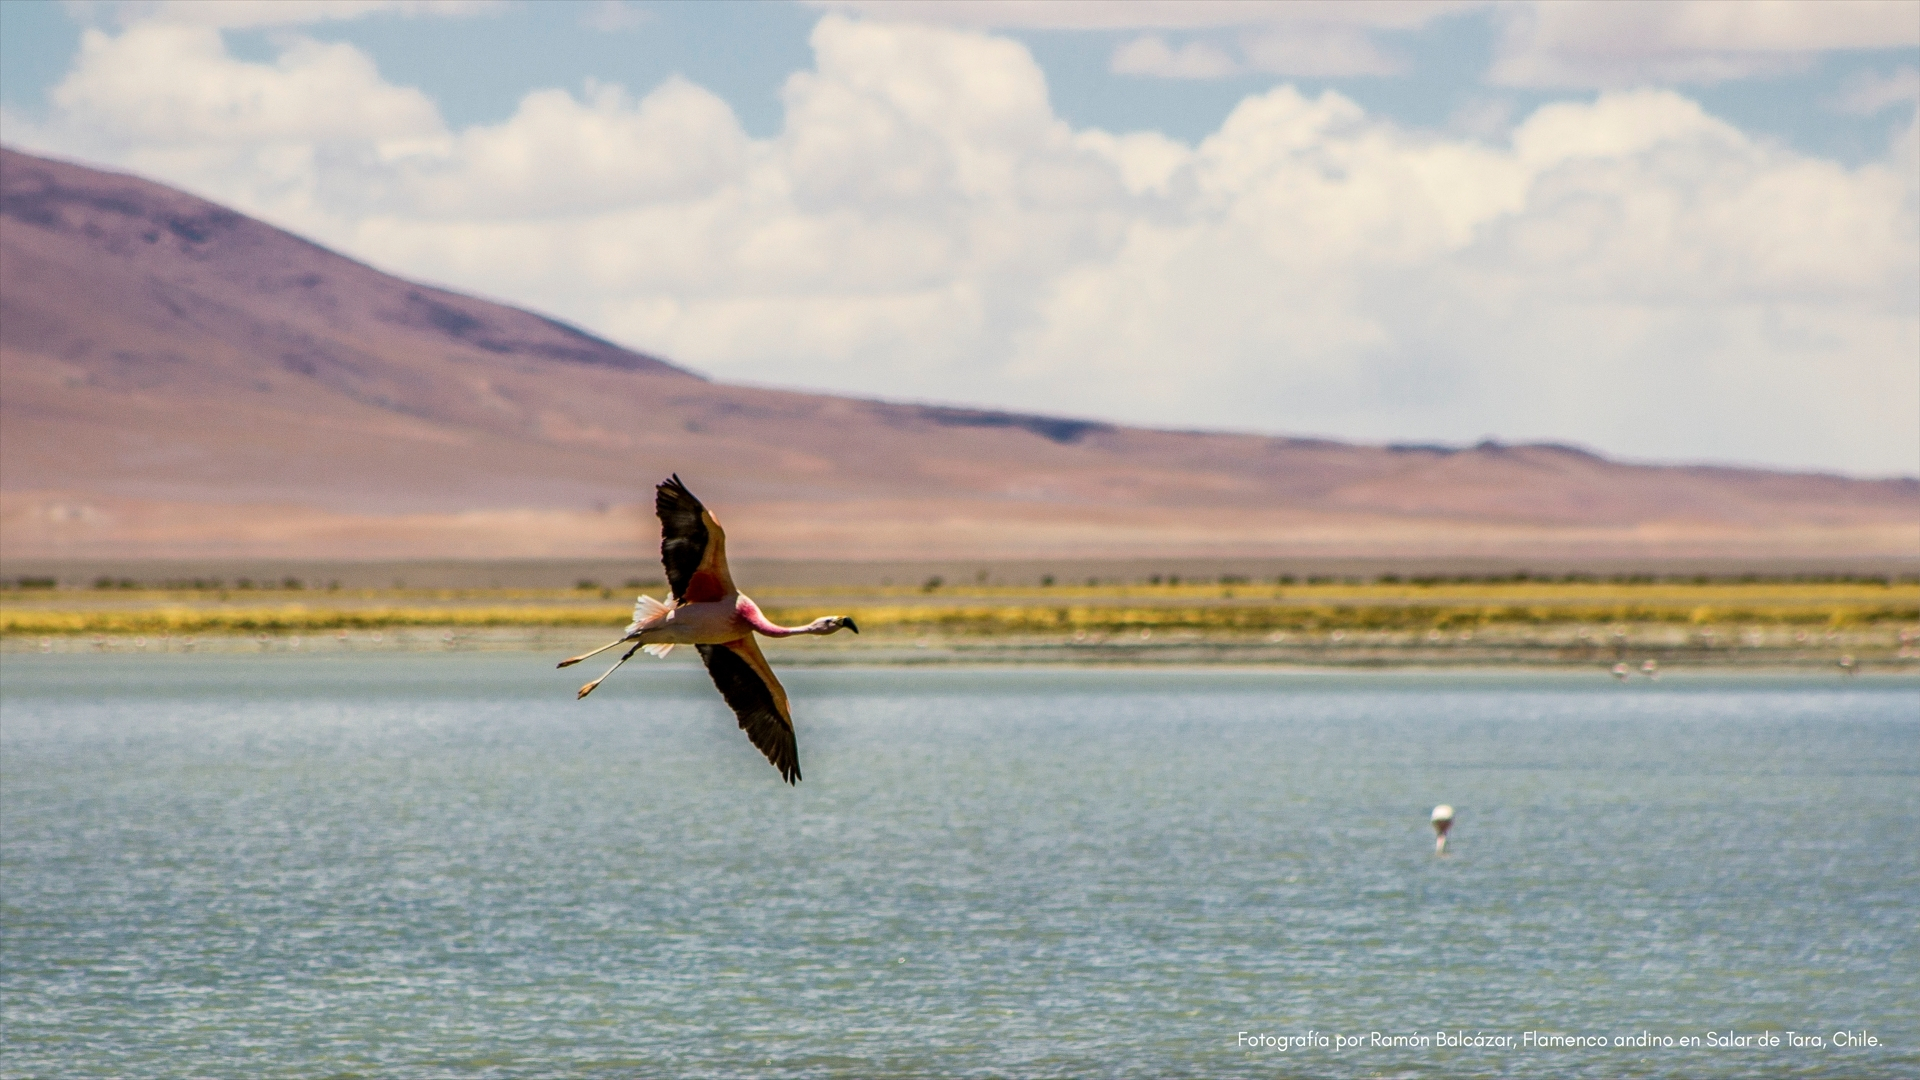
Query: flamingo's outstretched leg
[(588, 689), (569, 662)]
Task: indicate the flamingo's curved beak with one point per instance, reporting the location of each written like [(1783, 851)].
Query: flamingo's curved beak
[(848, 623)]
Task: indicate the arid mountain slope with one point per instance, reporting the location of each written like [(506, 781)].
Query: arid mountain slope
[(179, 379)]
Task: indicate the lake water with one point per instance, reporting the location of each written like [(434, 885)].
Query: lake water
[(431, 865)]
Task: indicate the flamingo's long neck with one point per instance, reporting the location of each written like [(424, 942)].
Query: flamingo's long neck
[(750, 612)]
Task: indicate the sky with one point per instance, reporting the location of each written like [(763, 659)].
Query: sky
[(1671, 231)]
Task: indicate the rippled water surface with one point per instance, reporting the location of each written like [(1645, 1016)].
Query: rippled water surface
[(443, 865)]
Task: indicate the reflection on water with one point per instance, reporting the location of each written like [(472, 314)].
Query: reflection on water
[(432, 865)]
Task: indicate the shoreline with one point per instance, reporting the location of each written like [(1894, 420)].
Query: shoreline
[(1869, 652), (1511, 624)]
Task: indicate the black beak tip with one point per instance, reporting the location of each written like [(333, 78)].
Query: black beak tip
[(850, 626)]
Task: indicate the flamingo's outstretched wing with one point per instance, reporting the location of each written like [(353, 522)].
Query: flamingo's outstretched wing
[(692, 547), (757, 699)]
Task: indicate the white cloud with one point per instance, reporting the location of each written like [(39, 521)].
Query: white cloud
[(1305, 50), (559, 155), (1304, 38), (1154, 14), (1617, 43), (1150, 55), (1870, 92), (1630, 273), (239, 14), (292, 139), (1318, 51), (1581, 44), (165, 85), (614, 16)]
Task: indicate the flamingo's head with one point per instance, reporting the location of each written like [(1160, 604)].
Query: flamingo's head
[(830, 623)]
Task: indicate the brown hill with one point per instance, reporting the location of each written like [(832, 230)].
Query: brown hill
[(177, 380)]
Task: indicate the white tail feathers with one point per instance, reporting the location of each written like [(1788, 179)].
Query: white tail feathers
[(647, 612)]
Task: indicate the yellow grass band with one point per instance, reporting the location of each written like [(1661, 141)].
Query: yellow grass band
[(966, 618)]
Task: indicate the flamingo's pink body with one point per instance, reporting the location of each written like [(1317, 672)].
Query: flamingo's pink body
[(715, 622)]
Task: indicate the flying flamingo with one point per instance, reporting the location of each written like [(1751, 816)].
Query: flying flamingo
[(711, 615)]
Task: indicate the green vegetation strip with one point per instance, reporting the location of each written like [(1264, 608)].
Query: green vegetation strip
[(1353, 617), (969, 618), (292, 617)]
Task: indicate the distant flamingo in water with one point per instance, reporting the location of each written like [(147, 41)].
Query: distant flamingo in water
[(709, 614), (1442, 824)]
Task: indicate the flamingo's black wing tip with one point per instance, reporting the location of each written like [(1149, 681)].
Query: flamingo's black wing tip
[(752, 701)]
